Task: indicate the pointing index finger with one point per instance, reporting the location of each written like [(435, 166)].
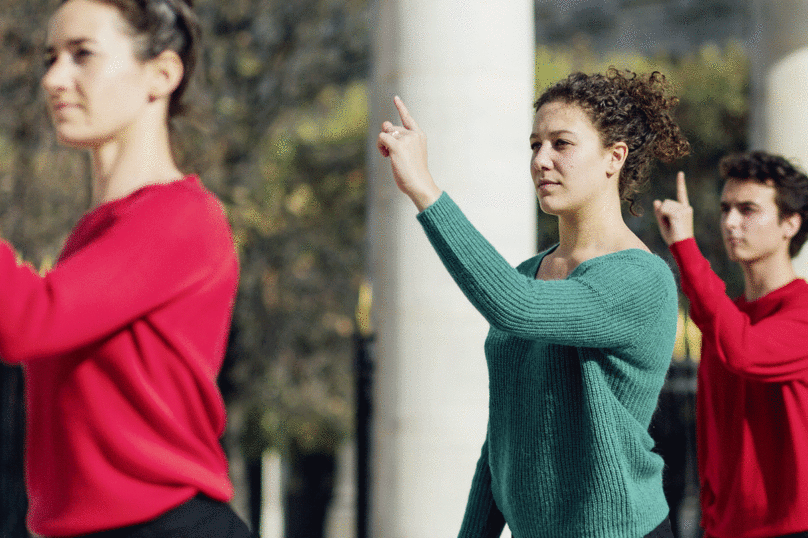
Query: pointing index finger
[(681, 189), (406, 119)]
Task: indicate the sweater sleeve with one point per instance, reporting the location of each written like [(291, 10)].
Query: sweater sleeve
[(147, 257), (482, 518), (773, 349), (600, 305)]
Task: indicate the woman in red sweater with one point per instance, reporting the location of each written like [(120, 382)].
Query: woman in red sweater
[(123, 339)]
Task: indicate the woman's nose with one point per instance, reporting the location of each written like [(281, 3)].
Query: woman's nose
[(55, 78), (541, 159)]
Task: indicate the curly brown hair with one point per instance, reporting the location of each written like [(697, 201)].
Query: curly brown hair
[(789, 182), (630, 108)]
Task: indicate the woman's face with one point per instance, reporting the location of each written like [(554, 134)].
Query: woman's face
[(96, 87), (570, 167)]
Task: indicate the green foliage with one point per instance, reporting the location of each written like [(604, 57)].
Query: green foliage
[(289, 162), (302, 238)]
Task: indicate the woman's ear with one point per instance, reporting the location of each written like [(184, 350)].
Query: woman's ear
[(616, 155), (166, 74)]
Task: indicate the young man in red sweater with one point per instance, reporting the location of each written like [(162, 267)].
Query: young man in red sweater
[(753, 375)]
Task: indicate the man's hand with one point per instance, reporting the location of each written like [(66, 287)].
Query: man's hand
[(675, 217)]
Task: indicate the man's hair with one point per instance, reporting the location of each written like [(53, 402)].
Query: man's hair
[(789, 182)]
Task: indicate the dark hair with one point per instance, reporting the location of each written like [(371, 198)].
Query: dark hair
[(789, 182), (630, 108), (164, 25)]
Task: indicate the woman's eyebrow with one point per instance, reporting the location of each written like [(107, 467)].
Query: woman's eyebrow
[(72, 43)]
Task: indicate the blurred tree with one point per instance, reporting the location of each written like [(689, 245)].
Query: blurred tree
[(303, 238)]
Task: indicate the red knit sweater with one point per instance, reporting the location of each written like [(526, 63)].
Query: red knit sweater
[(121, 345), (752, 403)]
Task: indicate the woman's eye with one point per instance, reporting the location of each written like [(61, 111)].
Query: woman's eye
[(561, 143), (81, 55)]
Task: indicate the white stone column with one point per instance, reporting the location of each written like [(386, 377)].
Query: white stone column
[(779, 56), (272, 491), (465, 70)]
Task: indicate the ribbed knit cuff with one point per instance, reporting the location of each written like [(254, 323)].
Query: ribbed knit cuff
[(685, 249), (690, 261)]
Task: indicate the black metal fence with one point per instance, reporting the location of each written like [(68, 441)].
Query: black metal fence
[(674, 431)]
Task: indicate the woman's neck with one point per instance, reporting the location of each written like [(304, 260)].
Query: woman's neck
[(595, 231), (128, 163), (585, 235)]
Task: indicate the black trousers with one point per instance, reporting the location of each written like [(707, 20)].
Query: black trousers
[(663, 530), (201, 517)]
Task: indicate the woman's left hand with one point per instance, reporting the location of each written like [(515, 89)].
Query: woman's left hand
[(405, 145)]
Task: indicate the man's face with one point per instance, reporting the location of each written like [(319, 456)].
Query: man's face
[(750, 222)]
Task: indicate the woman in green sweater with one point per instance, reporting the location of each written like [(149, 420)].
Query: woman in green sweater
[(582, 334)]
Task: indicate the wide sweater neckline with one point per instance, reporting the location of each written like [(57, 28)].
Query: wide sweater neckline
[(635, 253), (186, 180)]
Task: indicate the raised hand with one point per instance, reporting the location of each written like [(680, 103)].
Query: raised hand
[(675, 217), (405, 145)]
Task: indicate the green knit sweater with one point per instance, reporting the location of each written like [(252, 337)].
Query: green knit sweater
[(575, 369)]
